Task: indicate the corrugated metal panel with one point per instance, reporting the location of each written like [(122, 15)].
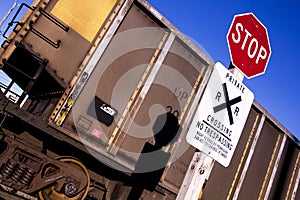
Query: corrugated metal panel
[(181, 73), (295, 189), (254, 178), (286, 172), (172, 85), (115, 79), (223, 182), (266, 170), (141, 79), (174, 174)]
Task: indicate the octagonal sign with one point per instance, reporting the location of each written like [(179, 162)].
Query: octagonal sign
[(249, 45)]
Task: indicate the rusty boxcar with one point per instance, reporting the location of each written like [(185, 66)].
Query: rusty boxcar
[(109, 88)]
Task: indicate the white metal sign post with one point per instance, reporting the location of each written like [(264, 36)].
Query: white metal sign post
[(195, 178), (221, 116)]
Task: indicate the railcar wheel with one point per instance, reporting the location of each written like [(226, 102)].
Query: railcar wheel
[(70, 188)]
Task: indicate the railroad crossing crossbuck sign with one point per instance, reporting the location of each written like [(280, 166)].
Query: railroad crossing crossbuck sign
[(221, 116)]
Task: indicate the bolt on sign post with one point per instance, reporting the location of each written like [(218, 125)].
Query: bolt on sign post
[(194, 181), (249, 46)]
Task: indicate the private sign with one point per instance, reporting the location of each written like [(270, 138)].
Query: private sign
[(220, 116), (249, 45)]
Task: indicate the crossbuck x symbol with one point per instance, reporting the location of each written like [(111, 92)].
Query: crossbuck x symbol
[(228, 103)]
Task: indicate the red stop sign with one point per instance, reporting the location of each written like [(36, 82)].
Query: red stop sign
[(248, 44)]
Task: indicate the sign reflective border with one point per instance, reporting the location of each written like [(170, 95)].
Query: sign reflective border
[(221, 116)]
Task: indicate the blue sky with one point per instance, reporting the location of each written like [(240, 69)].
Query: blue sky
[(207, 22)]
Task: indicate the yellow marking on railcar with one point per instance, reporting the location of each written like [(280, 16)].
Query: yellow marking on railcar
[(85, 17)]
